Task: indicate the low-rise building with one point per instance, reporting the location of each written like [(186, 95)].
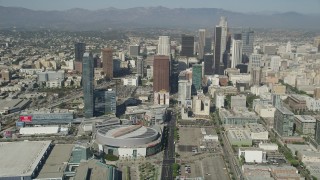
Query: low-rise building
[(305, 124), (283, 121), (312, 104), (219, 100), (309, 156), (297, 102), (161, 98), (259, 90), (252, 155), (258, 131), (201, 105), (265, 111), (130, 81), (47, 116), (237, 116), (268, 146), (239, 137), (278, 89), (9, 106), (238, 101)]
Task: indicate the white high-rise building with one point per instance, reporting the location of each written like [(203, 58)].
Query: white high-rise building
[(288, 48), (220, 40), (254, 61), (224, 33), (164, 45), (236, 52), (275, 63), (184, 91), (201, 44), (219, 100)]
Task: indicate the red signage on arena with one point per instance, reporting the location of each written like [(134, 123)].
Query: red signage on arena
[(26, 118)]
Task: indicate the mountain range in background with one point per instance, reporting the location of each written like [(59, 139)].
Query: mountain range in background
[(143, 17)]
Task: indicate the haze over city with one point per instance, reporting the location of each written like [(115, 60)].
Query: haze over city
[(248, 6)]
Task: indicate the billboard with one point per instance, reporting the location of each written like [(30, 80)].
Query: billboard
[(26, 118), (20, 124)]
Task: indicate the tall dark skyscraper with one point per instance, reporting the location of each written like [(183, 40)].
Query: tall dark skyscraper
[(105, 102), (220, 57), (208, 45), (187, 45), (217, 50), (161, 73), (247, 44), (196, 78), (79, 50), (237, 36), (87, 83), (317, 135), (107, 62), (201, 43), (208, 64)]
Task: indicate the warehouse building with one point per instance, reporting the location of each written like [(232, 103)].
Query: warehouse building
[(57, 162), (22, 160), (237, 116), (47, 116), (13, 105), (252, 155)]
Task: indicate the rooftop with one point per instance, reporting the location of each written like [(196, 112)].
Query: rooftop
[(21, 158), (256, 128), (56, 163), (99, 170), (284, 110), (12, 103), (125, 132), (305, 118), (239, 134), (238, 113)]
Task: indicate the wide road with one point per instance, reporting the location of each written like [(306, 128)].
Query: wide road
[(169, 152), (229, 154)]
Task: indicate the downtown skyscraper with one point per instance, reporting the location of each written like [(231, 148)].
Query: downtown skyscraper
[(164, 46), (220, 37), (161, 73), (236, 51), (79, 50), (187, 45), (87, 83), (107, 62), (202, 42), (247, 44)]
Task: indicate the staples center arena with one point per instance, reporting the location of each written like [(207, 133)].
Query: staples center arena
[(130, 141)]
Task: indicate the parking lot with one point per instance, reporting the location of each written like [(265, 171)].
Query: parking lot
[(212, 168), (200, 158)]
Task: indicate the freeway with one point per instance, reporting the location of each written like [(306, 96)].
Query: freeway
[(77, 94), (169, 152)]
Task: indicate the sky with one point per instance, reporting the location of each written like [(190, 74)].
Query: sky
[(248, 6)]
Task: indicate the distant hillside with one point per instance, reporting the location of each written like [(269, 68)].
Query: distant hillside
[(82, 19)]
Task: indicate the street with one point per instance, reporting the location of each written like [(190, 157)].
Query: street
[(169, 152), (229, 155)]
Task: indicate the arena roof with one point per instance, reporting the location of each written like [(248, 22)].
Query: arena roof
[(21, 158), (125, 132), (127, 135)]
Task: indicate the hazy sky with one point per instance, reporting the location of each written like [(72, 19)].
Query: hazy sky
[(303, 6)]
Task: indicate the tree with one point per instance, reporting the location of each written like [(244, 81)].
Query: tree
[(35, 85)]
